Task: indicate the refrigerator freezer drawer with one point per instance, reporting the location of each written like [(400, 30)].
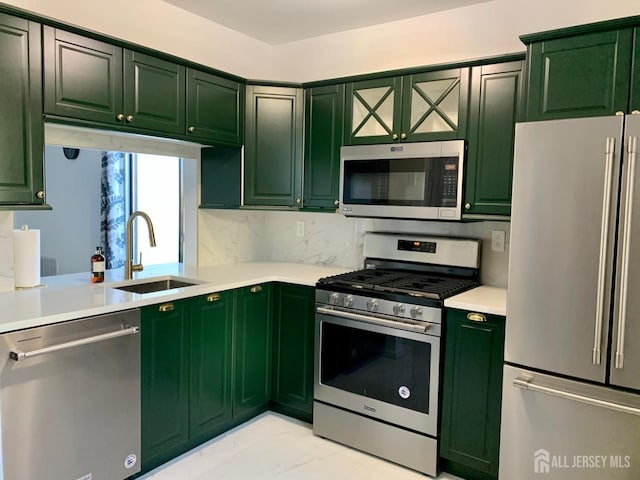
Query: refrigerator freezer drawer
[(567, 430)]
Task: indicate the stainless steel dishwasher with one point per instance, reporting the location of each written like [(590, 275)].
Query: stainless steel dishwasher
[(70, 399)]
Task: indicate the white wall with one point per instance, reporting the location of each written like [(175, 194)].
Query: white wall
[(481, 30), (164, 27), (71, 231), (486, 29)]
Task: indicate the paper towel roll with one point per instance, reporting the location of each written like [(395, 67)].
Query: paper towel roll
[(26, 257)]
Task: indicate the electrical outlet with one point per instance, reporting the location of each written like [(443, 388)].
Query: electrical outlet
[(300, 229), (497, 240)]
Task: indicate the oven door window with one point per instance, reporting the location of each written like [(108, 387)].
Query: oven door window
[(384, 367), (418, 182)]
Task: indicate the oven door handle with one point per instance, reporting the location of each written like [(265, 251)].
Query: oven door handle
[(374, 319)]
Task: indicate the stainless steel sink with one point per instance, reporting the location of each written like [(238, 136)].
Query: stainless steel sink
[(156, 285)]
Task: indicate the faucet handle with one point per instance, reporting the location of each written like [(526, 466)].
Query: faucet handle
[(137, 267)]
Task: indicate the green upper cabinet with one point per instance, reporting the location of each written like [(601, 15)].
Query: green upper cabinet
[(215, 107), (372, 111), (324, 119), (472, 394), (418, 107), (274, 146), (634, 99), (253, 334), (164, 381), (495, 106), (153, 93), (293, 327), (21, 125), (90, 80), (578, 75), (210, 359)]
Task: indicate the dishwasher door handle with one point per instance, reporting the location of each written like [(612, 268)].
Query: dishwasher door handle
[(18, 355)]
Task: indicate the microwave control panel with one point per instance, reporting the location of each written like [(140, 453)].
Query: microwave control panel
[(449, 182)]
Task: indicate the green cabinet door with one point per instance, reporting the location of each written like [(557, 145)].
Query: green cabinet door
[(373, 111), (253, 334), (324, 119), (634, 98), (215, 108), (21, 126), (472, 394), (434, 105), (165, 381), (273, 146), (495, 106), (210, 359), (154, 91), (579, 76), (294, 314), (82, 77)]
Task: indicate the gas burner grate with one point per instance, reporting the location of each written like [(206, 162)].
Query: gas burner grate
[(401, 282)]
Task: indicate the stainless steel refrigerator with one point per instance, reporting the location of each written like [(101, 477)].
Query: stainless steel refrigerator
[(571, 391)]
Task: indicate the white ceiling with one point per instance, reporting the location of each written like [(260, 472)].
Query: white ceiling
[(282, 21)]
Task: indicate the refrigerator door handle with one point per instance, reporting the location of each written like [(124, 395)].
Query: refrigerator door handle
[(626, 242), (526, 382), (602, 263)]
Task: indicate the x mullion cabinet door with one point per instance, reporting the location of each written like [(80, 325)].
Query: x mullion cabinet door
[(435, 105), (373, 111)]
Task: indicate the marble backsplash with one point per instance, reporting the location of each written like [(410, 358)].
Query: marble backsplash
[(6, 251), (226, 236)]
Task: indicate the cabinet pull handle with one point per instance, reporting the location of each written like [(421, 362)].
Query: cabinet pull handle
[(129, 118), (214, 297), (166, 307), (476, 317), (635, 112), (403, 136), (256, 289), (298, 201), (40, 194), (620, 113), (191, 129), (467, 206), (120, 117), (394, 136)]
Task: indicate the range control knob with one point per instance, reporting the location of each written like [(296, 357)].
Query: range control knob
[(348, 302), (398, 309), (416, 312), (334, 299), (372, 305)]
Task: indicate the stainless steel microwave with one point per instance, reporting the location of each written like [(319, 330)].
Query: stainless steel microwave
[(410, 180)]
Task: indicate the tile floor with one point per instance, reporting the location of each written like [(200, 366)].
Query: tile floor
[(273, 446)]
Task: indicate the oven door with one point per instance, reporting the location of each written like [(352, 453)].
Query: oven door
[(378, 371)]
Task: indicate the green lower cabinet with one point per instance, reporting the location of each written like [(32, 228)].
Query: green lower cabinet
[(253, 333), (472, 394), (293, 332), (495, 107), (165, 381), (210, 353)]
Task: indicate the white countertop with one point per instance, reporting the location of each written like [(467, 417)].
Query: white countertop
[(492, 300), (66, 297)]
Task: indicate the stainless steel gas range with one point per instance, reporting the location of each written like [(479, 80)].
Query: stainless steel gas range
[(378, 342)]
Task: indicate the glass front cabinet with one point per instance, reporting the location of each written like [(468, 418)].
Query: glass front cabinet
[(418, 107)]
